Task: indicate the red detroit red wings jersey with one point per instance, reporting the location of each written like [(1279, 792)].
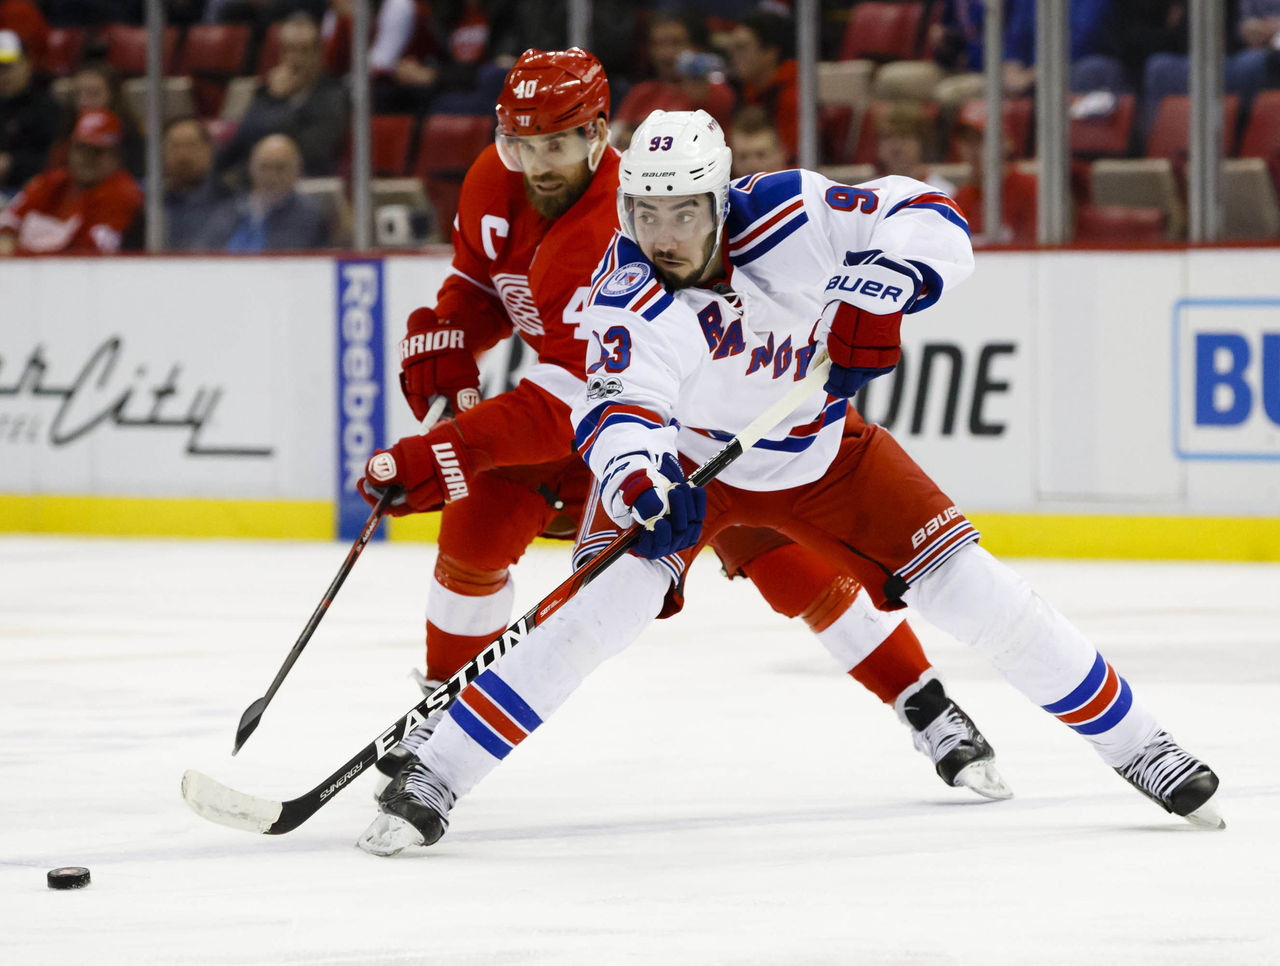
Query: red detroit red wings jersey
[(514, 270)]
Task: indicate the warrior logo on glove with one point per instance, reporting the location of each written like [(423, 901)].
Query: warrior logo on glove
[(382, 468), (427, 471)]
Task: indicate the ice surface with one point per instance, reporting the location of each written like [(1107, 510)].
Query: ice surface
[(719, 793)]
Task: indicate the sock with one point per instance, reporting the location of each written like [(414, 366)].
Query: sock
[(467, 609)]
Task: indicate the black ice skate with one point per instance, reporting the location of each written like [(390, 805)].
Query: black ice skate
[(413, 810), (1178, 782), (406, 748), (959, 752)]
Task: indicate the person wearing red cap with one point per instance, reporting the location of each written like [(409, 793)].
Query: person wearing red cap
[(83, 208)]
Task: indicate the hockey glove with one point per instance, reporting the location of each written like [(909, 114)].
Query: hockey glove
[(435, 361), (663, 502), (861, 324), (427, 472)]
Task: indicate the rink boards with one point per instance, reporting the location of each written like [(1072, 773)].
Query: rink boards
[(1073, 403)]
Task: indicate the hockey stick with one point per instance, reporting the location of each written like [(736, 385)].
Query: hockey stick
[(216, 802), (253, 714)]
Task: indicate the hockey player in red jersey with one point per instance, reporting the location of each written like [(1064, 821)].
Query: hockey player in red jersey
[(712, 302), (535, 213)]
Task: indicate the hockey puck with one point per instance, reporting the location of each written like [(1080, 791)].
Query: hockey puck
[(69, 877)]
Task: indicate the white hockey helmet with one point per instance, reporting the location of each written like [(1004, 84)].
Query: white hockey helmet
[(675, 153)]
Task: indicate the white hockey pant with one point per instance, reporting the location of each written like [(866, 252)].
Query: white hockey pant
[(548, 665), (980, 601)]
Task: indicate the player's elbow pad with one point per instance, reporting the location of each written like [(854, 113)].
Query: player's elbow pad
[(875, 282)]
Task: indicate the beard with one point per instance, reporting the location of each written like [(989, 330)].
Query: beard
[(552, 206), (674, 280)]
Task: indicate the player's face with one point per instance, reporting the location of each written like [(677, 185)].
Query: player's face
[(676, 234), (555, 167)]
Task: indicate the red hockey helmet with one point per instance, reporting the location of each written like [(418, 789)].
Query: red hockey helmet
[(548, 92)]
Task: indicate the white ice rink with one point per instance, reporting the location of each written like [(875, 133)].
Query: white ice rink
[(720, 793)]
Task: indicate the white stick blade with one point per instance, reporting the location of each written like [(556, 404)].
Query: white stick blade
[(216, 802)]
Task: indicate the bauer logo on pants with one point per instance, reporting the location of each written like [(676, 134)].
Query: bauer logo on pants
[(361, 410)]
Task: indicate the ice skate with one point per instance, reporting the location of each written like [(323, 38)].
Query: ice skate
[(948, 736), (1178, 782), (389, 765), (414, 810)]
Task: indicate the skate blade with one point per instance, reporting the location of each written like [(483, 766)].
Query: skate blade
[(388, 835), (982, 778), (1207, 816)]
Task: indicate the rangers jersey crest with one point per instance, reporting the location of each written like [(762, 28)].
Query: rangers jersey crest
[(629, 278)]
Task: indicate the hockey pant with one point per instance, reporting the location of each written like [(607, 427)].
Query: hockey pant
[(506, 702), (917, 549), (878, 649)]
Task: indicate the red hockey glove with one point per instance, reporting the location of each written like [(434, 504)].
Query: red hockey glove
[(861, 325), (435, 361), (427, 471)]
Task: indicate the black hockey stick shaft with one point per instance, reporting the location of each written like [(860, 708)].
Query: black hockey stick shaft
[(218, 803), (253, 714)]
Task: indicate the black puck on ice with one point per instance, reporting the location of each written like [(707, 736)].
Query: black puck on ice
[(69, 877)]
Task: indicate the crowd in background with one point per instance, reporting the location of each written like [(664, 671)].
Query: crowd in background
[(259, 114)]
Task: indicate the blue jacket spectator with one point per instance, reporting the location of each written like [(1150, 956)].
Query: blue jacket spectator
[(272, 216), (192, 197)]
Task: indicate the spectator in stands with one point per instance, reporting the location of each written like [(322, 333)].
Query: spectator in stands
[(956, 39), (955, 36), (903, 136), (96, 87), (25, 19), (755, 142), (1252, 41), (297, 99), (259, 13), (28, 118), (193, 198), (91, 13), (1088, 40), (1018, 189), (686, 77), (85, 207), (760, 53), (272, 216)]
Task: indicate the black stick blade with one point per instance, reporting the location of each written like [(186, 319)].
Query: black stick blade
[(249, 722)]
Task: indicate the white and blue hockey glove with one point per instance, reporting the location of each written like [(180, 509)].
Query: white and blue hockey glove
[(861, 323), (661, 500)]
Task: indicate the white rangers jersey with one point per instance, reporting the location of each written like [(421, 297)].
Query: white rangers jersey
[(686, 370)]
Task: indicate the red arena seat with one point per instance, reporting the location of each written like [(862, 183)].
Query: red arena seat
[(883, 31), (211, 55), (64, 52), (390, 135), (1120, 223), (1102, 135), (1170, 133), (127, 49), (447, 146)]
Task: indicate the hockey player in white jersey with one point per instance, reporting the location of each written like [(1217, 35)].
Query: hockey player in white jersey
[(708, 305)]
